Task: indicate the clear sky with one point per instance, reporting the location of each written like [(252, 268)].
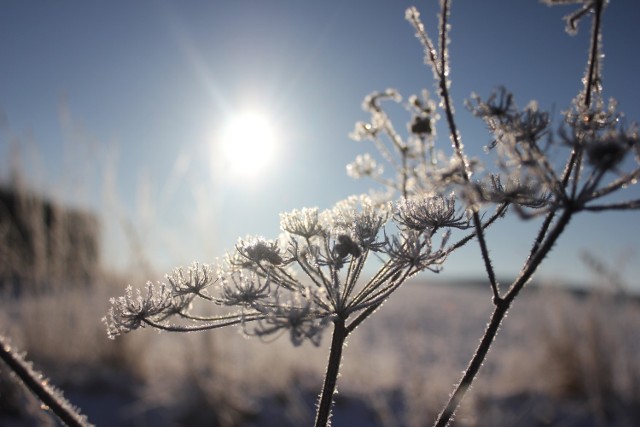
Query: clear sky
[(119, 106)]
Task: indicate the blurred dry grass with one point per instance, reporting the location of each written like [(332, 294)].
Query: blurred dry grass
[(590, 353), (575, 351)]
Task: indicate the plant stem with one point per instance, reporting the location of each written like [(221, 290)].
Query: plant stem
[(474, 366), (331, 376), (39, 386), (593, 53), (498, 315), (442, 72)]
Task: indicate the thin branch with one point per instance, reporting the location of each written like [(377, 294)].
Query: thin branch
[(619, 183), (622, 206), (474, 366), (541, 233), (241, 318), (593, 56), (40, 386), (500, 211), (457, 145), (502, 306)]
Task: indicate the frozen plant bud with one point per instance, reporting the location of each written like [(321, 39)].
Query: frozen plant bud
[(424, 116), (421, 125)]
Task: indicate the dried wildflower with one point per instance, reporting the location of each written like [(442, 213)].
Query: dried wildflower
[(508, 124), (330, 249), (499, 104), (238, 289), (342, 247), (195, 280), (128, 313), (527, 194), (413, 249), (451, 174), (364, 165), (182, 304), (259, 250), (359, 218), (304, 223), (597, 117), (429, 213), (297, 317), (367, 227)]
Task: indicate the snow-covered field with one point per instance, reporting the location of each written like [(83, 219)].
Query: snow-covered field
[(560, 359)]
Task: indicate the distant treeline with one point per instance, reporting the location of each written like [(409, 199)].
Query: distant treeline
[(44, 244)]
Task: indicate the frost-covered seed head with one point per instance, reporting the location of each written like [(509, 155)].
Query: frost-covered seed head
[(304, 222), (364, 166), (259, 250), (297, 317), (238, 289), (195, 280), (413, 249), (430, 212), (128, 313)]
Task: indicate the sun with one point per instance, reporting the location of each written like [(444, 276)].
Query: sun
[(247, 144)]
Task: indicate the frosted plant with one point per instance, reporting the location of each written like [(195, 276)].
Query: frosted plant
[(311, 277), (540, 172), (308, 279)]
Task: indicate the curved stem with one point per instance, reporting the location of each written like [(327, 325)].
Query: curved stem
[(331, 376), (207, 326)]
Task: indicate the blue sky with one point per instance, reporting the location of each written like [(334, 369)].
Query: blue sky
[(116, 106)]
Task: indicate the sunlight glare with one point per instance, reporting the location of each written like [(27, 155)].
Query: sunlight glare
[(247, 144)]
